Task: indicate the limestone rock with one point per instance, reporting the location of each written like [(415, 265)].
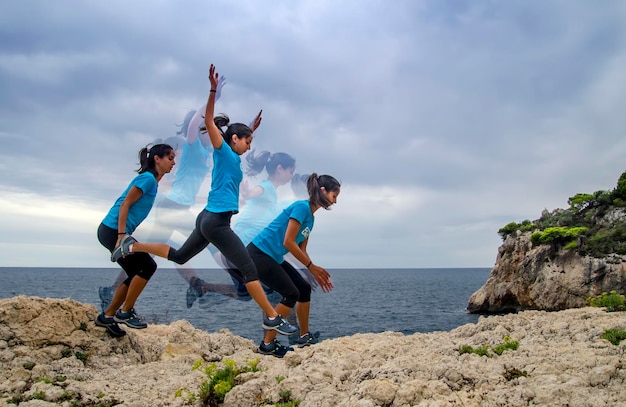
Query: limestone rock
[(59, 355), (545, 278)]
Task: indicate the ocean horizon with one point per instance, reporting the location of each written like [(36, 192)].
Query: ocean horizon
[(406, 300)]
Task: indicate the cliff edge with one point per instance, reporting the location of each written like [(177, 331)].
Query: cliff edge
[(51, 353)]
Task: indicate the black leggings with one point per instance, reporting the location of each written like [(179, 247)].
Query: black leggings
[(282, 278), (139, 264), (215, 228)]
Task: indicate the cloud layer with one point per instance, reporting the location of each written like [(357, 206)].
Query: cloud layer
[(443, 120)]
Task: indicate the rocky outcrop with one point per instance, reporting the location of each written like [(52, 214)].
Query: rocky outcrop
[(51, 353), (545, 277)]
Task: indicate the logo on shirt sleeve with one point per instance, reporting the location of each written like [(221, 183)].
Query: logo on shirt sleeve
[(305, 232)]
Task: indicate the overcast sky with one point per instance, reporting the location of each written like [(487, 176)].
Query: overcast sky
[(444, 120)]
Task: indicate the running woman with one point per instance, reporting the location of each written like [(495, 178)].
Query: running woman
[(213, 223), (130, 209), (289, 233)]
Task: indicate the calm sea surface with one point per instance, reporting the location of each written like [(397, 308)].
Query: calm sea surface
[(364, 300)]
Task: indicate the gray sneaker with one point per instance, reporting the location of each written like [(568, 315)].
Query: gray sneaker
[(306, 340), (129, 318), (111, 326), (274, 348), (194, 291), (279, 324), (123, 249)]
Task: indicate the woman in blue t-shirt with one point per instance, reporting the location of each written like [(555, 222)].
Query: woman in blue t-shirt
[(259, 209), (213, 223), (130, 209), (289, 233)]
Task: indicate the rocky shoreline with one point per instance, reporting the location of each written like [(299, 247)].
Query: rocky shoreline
[(51, 353)]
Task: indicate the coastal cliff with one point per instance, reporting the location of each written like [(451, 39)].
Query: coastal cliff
[(545, 277), (51, 353), (561, 259)]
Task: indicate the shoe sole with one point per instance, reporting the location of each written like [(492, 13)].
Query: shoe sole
[(121, 321), (304, 345), (271, 353), (279, 330), (109, 327)]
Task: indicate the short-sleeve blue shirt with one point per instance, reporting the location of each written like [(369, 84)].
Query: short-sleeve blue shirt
[(270, 240), (257, 213), (190, 173), (225, 179), (148, 184)]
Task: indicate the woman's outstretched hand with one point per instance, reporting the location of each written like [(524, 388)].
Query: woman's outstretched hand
[(322, 276), (256, 122), (213, 77)]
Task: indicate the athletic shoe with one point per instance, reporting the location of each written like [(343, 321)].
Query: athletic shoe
[(110, 325), (274, 348), (129, 318), (123, 249), (293, 338), (194, 291), (279, 324), (306, 340), (106, 296)]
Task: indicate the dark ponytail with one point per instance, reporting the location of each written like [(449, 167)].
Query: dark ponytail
[(241, 130), (269, 161), (314, 184), (147, 154)]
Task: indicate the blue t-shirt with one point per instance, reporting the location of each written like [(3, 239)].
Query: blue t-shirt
[(138, 211), (190, 173), (270, 240), (225, 179), (257, 213)]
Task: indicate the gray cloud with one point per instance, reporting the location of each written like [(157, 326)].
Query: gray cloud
[(493, 111)]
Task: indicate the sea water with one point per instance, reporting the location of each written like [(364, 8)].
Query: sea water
[(363, 300)]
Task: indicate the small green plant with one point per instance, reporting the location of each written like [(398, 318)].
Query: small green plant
[(285, 400), (39, 395), (219, 381), (611, 301), (513, 373), (614, 335), (66, 352), (81, 356), (279, 379), (83, 326), (508, 344), (29, 365)]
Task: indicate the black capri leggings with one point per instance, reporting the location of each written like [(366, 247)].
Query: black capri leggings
[(282, 278), (138, 264), (215, 228)]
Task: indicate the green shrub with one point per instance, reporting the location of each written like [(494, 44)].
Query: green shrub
[(218, 382), (558, 235), (508, 344), (615, 336), (611, 301)]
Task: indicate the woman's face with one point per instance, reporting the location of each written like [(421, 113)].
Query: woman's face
[(241, 145), (284, 175), (164, 165), (331, 196)]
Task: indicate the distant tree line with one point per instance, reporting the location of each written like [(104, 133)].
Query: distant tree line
[(583, 226)]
